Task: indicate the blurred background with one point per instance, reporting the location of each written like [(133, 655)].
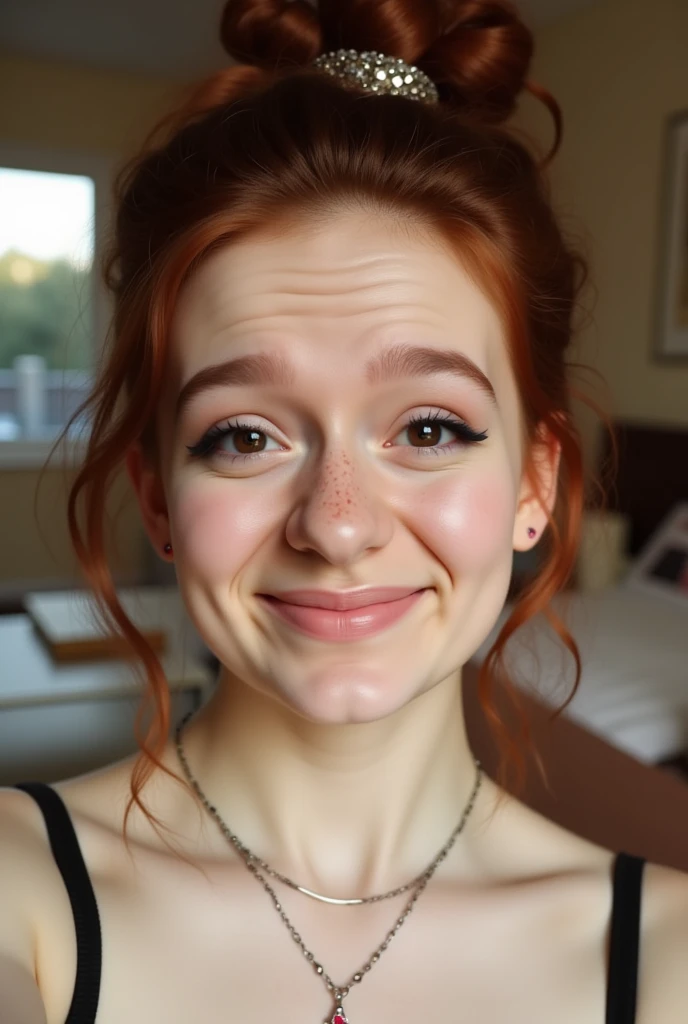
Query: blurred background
[(82, 84)]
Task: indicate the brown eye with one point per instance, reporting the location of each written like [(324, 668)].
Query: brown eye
[(425, 435), (248, 441), (426, 431)]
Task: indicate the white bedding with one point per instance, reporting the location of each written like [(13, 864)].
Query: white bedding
[(634, 683)]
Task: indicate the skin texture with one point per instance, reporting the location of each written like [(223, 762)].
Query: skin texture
[(368, 733)]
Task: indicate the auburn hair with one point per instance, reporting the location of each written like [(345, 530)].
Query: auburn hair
[(269, 137)]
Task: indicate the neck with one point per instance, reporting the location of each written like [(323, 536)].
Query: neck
[(346, 810)]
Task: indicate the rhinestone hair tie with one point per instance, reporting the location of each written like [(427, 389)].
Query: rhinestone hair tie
[(375, 72)]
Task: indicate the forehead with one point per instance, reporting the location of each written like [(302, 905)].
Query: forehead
[(362, 267), (328, 295)]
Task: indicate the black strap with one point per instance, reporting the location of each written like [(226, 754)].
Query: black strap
[(624, 939), (68, 857)]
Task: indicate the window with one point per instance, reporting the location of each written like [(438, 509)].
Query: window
[(51, 302)]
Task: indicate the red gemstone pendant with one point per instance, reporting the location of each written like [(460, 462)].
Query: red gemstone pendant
[(339, 1017)]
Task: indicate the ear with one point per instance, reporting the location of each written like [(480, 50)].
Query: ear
[(541, 470), (147, 484)]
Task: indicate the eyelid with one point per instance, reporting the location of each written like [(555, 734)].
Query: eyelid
[(203, 449), (223, 429)]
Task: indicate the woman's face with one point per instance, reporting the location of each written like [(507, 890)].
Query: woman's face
[(340, 457)]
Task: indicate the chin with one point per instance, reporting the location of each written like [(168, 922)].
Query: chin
[(350, 696)]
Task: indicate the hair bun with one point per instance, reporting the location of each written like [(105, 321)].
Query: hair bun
[(477, 51), (271, 33), (397, 28), (482, 57)]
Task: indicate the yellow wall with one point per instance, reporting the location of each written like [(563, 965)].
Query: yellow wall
[(55, 104), (91, 111), (34, 541), (618, 69), (617, 74)]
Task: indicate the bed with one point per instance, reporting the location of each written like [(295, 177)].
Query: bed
[(633, 690)]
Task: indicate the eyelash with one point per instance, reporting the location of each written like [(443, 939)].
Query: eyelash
[(204, 448)]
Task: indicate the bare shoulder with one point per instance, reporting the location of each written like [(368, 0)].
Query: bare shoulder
[(663, 955), (38, 953), (25, 861), (97, 802), (27, 877), (586, 868)]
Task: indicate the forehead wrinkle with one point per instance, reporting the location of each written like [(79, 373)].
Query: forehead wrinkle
[(389, 300), (377, 322), (218, 294), (365, 301), (391, 271), (239, 296)]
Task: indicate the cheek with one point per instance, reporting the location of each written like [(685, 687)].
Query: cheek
[(468, 519), (216, 527)]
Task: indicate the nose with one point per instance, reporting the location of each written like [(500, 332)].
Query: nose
[(339, 517)]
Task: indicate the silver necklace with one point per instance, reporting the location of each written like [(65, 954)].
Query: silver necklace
[(253, 862)]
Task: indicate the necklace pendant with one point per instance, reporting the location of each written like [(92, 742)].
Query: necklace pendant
[(338, 1017)]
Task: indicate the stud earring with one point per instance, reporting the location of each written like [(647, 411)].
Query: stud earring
[(168, 548), (531, 531)]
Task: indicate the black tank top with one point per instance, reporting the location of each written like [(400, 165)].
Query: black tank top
[(624, 934)]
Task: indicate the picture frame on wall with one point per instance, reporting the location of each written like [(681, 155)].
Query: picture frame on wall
[(671, 322)]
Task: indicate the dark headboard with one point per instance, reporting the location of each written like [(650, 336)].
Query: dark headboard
[(652, 476)]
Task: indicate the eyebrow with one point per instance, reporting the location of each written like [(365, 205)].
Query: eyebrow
[(399, 361)]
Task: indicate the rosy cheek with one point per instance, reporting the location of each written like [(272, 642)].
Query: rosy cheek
[(217, 528), (467, 520)]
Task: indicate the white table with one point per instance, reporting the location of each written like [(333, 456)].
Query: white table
[(59, 720)]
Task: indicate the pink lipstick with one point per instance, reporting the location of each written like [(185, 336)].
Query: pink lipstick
[(343, 615)]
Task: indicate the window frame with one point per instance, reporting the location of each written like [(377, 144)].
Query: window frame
[(100, 167)]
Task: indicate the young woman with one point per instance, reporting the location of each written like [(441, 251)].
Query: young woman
[(337, 378)]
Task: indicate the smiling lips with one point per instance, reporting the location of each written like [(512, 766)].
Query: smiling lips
[(342, 615)]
